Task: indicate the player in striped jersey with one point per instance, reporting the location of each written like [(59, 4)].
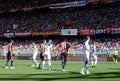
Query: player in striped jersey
[(63, 47), (10, 55), (42, 46)]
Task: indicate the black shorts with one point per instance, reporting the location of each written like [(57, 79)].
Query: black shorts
[(115, 56), (9, 56), (63, 55), (41, 56)]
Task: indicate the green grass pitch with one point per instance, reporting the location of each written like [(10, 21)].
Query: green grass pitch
[(106, 71)]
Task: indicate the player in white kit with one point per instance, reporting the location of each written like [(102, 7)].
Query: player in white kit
[(35, 52), (47, 54), (86, 56), (94, 56)]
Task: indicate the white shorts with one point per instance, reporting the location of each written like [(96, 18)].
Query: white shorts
[(93, 57), (86, 58), (47, 56), (34, 55)]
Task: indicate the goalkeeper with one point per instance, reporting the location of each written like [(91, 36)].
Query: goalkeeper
[(115, 55)]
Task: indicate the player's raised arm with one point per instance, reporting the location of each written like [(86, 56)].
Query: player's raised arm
[(57, 46)]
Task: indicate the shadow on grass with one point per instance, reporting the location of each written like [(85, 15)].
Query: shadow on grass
[(99, 75), (3, 67), (60, 76), (47, 69), (114, 68)]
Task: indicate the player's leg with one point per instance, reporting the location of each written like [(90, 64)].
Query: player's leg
[(43, 63), (86, 64), (37, 64), (41, 60), (49, 64), (95, 60), (40, 63), (82, 71), (6, 65), (7, 61), (86, 60), (87, 69), (92, 61), (114, 58), (12, 60), (63, 61), (34, 60), (49, 61), (83, 66)]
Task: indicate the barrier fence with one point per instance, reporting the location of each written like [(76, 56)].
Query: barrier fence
[(73, 54)]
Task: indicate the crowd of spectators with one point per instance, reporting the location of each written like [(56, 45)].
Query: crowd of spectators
[(112, 19), (6, 5), (47, 20)]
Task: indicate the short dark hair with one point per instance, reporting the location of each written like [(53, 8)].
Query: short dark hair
[(87, 37), (64, 39), (11, 40)]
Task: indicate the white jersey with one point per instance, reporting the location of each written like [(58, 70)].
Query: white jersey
[(48, 47), (86, 51), (35, 52), (35, 49), (94, 56), (87, 48), (94, 50)]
